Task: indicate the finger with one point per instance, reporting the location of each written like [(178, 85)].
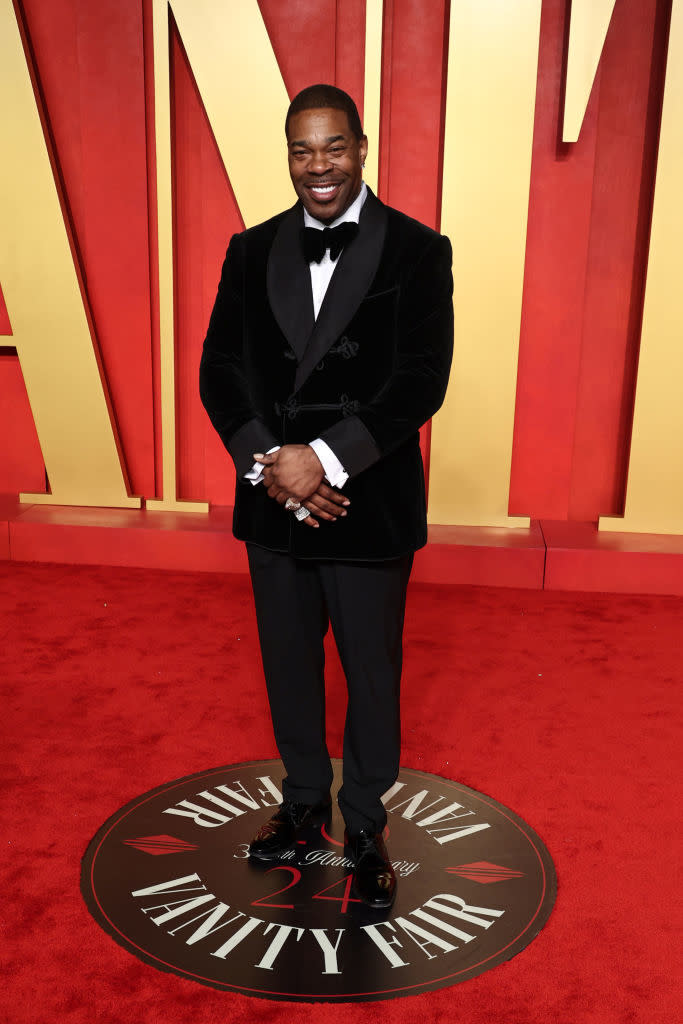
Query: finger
[(275, 492), (325, 509), (331, 495), (310, 521), (319, 513), (265, 460)]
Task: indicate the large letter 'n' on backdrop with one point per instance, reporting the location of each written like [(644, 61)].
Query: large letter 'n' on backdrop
[(50, 323), (241, 87), (245, 100)]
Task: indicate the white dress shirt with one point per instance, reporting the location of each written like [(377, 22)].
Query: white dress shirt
[(321, 275)]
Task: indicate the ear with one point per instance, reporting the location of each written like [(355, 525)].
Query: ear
[(363, 148)]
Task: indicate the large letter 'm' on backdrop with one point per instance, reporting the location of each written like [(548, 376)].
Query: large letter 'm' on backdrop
[(50, 325)]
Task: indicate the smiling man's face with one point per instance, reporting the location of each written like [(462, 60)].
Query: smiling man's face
[(325, 161)]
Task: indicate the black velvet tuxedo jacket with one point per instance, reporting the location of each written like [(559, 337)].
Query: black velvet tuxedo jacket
[(364, 376)]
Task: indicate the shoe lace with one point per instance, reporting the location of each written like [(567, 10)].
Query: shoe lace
[(367, 843), (293, 812)]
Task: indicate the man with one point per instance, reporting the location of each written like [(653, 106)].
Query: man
[(326, 352)]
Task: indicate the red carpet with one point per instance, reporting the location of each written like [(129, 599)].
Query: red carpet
[(561, 706)]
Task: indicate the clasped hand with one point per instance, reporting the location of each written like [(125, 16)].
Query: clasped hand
[(295, 471)]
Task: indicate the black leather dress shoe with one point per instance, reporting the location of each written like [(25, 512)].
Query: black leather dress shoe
[(373, 875), (279, 833)]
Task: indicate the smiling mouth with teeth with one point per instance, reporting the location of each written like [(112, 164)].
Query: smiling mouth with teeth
[(323, 189)]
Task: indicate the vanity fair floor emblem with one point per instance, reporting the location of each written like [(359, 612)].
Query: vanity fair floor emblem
[(168, 877)]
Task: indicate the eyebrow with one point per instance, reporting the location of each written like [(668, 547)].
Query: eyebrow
[(329, 139)]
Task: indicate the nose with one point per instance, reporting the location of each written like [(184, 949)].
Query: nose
[(319, 163)]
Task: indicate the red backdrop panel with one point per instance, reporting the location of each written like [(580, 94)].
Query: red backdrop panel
[(21, 461), (5, 325)]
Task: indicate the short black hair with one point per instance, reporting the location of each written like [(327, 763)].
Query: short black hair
[(314, 97)]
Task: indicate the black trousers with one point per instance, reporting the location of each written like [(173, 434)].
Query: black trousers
[(296, 600)]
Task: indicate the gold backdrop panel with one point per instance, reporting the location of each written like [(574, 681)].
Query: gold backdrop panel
[(587, 32), (492, 64), (374, 11)]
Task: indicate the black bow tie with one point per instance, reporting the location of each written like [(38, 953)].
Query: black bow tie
[(316, 242)]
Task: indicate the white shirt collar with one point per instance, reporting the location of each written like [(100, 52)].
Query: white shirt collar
[(352, 214)]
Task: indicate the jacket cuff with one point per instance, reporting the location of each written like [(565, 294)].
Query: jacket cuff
[(353, 444), (252, 436)]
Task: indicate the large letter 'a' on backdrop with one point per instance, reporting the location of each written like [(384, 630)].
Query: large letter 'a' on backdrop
[(51, 328)]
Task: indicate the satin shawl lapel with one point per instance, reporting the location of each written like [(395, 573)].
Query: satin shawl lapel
[(348, 287), (288, 281)]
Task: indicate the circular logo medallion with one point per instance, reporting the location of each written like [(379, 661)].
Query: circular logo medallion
[(168, 877)]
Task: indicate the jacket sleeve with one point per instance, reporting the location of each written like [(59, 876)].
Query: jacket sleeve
[(417, 385), (223, 384)]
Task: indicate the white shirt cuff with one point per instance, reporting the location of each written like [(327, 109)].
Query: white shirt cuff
[(335, 474), (255, 474)]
